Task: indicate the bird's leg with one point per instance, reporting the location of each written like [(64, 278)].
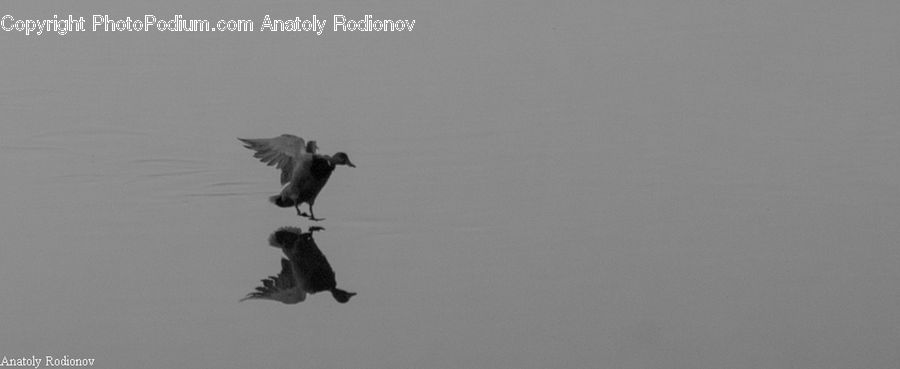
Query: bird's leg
[(300, 213)]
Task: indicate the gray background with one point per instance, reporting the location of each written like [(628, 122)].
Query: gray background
[(618, 184)]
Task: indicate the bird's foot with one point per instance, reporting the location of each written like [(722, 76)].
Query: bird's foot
[(302, 214), (315, 219)]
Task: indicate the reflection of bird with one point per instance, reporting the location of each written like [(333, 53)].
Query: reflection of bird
[(306, 270), (303, 172), (285, 287)]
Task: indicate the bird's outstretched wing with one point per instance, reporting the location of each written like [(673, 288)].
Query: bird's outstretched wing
[(285, 287), (284, 152)]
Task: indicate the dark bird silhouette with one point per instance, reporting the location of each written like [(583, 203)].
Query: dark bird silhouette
[(305, 271), (303, 171)]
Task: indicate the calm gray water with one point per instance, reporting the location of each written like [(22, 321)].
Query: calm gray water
[(620, 184)]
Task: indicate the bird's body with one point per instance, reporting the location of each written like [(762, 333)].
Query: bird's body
[(306, 183), (303, 172), (305, 271)]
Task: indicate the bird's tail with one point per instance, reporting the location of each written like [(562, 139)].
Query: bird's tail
[(281, 201)]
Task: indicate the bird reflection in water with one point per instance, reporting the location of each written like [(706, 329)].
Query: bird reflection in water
[(304, 271)]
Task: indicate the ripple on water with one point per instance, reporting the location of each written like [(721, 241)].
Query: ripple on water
[(88, 133)]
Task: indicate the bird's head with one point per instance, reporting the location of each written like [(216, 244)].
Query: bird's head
[(342, 159), (341, 295)]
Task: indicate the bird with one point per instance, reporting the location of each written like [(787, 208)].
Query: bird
[(304, 271), (303, 171)]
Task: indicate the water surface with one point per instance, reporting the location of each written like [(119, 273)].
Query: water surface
[(567, 185)]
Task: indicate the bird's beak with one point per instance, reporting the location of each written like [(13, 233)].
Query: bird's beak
[(351, 165)]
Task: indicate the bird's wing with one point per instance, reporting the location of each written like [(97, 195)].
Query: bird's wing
[(283, 152), (284, 237), (294, 243), (286, 287)]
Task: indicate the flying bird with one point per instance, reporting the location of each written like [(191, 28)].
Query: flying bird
[(303, 171), (305, 271)]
